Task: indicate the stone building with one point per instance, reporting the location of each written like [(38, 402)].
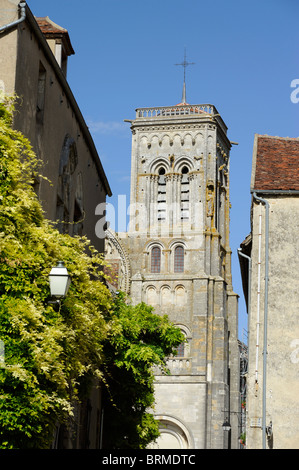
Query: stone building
[(268, 260), (176, 257), (33, 65)]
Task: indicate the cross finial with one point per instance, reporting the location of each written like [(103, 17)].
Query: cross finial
[(185, 64)]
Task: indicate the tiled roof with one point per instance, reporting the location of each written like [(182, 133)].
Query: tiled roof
[(48, 26), (276, 163), (53, 30)]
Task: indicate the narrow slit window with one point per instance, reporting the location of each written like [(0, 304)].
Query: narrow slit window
[(41, 88), (161, 195), (185, 194)]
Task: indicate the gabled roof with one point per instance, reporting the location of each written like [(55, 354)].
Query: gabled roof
[(275, 165), (52, 30), (66, 88)]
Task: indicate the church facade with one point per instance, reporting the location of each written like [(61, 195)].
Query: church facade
[(176, 257)]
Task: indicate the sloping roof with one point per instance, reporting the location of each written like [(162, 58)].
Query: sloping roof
[(275, 163), (33, 21), (53, 30)]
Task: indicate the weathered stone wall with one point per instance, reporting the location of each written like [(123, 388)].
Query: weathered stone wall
[(282, 348), (180, 197), (57, 132)]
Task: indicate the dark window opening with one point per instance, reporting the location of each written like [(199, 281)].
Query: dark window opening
[(181, 350), (179, 259), (156, 260), (185, 194), (161, 195), (41, 90)]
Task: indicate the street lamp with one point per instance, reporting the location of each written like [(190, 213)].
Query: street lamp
[(59, 281), (226, 425)]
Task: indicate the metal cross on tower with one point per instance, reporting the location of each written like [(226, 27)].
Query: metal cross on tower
[(185, 64)]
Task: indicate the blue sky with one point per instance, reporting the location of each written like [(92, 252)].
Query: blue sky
[(246, 57)]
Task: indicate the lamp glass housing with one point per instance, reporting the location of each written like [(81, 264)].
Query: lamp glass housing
[(226, 426), (59, 280)]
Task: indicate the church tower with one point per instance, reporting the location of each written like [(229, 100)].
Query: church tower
[(180, 263)]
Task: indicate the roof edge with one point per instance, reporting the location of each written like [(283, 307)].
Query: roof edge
[(61, 78), (61, 32), (282, 192)]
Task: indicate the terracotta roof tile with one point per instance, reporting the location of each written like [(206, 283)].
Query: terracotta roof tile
[(47, 26), (277, 163), (53, 30)]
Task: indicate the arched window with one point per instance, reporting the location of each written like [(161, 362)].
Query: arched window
[(152, 297), (180, 350), (161, 195), (179, 259), (155, 259), (185, 194), (183, 350)]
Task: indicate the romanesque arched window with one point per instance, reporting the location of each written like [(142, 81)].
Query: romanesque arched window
[(179, 259), (185, 194), (152, 295), (156, 259), (183, 350), (180, 350), (161, 199)]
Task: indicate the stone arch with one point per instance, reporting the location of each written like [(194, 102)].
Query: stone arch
[(143, 140), (180, 295), (154, 139), (177, 139), (155, 259), (152, 243), (160, 162), (165, 139), (185, 329), (183, 161), (210, 143), (183, 166), (174, 434), (148, 251), (177, 241), (184, 348), (166, 295), (172, 247), (179, 259), (152, 297), (188, 139), (199, 136)]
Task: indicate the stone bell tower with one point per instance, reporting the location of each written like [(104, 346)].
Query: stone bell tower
[(180, 263)]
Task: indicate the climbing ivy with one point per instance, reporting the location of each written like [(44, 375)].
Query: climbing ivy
[(50, 355), (47, 353)]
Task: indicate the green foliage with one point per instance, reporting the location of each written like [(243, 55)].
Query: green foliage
[(51, 356), (48, 354), (137, 341)]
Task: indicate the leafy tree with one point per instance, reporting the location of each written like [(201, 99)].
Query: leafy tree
[(137, 340), (50, 355)]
